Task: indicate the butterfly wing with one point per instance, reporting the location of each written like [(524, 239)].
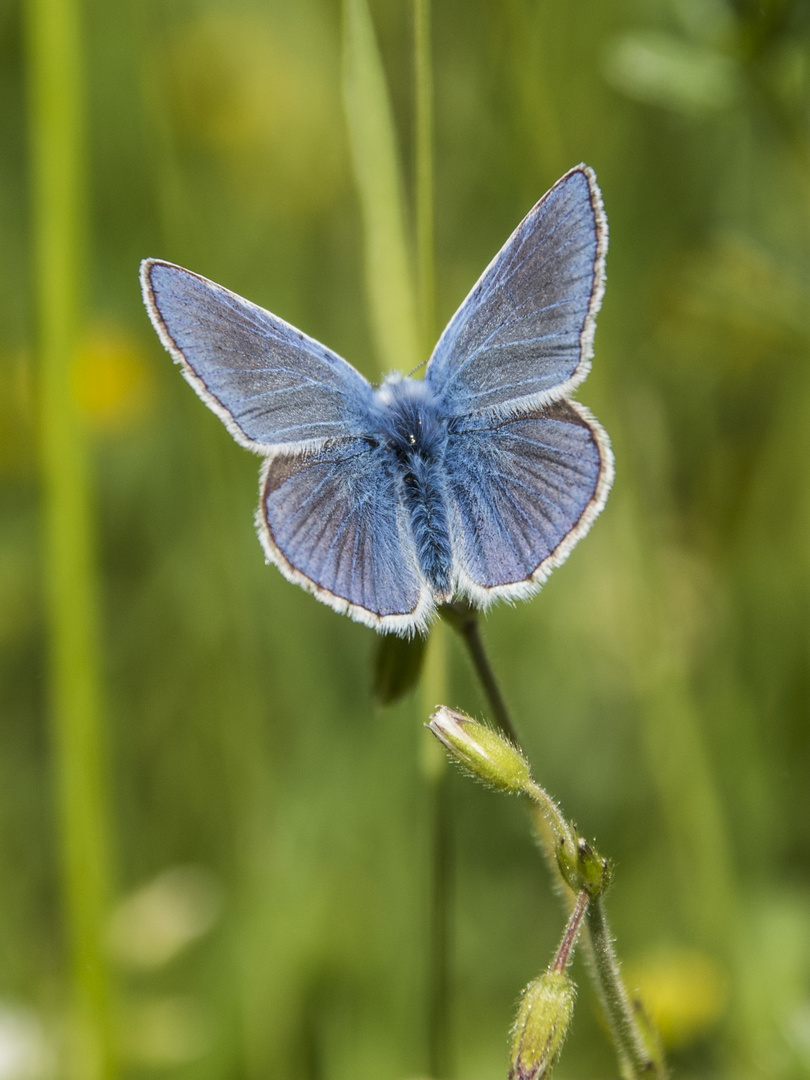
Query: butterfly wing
[(522, 492), (331, 518), (329, 514), (524, 335), (270, 384)]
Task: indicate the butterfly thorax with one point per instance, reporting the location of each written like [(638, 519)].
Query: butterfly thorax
[(414, 434), (409, 419)]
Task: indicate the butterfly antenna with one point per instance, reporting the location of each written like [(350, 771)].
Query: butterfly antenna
[(414, 370)]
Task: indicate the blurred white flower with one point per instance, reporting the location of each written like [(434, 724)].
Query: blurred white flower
[(152, 925), (25, 1052)]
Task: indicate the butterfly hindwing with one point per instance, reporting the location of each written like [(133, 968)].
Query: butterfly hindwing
[(332, 519), (270, 384), (522, 492), (523, 337)]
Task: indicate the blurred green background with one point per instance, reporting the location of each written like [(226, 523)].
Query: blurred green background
[(267, 827)]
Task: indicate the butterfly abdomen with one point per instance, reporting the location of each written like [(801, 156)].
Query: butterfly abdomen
[(425, 498)]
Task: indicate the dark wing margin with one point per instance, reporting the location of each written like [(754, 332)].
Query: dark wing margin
[(522, 494), (330, 518), (270, 384), (524, 335)]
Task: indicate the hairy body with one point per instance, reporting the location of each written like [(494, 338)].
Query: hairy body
[(413, 432)]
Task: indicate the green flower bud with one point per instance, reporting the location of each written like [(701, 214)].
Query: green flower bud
[(544, 1016), (594, 871), (485, 753), (584, 868)]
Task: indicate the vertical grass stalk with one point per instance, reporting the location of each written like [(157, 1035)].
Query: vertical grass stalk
[(433, 691), (434, 680), (56, 138), (373, 142), (425, 265), (401, 339)]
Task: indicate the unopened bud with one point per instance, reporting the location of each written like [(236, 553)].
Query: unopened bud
[(485, 753), (583, 868), (544, 1016)]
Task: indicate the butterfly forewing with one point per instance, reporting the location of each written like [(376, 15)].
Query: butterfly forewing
[(523, 336), (271, 384)]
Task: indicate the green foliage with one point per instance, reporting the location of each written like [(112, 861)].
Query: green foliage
[(660, 683)]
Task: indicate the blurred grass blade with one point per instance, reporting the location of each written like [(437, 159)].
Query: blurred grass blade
[(672, 72), (379, 183), (423, 78), (439, 998), (55, 83)]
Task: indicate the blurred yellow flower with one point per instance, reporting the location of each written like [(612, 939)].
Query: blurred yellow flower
[(112, 384), (685, 993)]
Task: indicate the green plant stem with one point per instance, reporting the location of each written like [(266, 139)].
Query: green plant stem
[(441, 938), (572, 929), (434, 766), (560, 829), (550, 824), (465, 620), (636, 1057), (434, 678), (56, 138)]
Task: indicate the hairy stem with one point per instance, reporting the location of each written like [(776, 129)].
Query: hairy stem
[(639, 1058), (572, 928), (635, 1044), (559, 831)]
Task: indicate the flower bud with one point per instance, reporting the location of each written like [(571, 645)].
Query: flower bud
[(584, 868), (544, 1016), (485, 753)]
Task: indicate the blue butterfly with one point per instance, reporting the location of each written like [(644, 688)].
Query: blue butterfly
[(475, 481)]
